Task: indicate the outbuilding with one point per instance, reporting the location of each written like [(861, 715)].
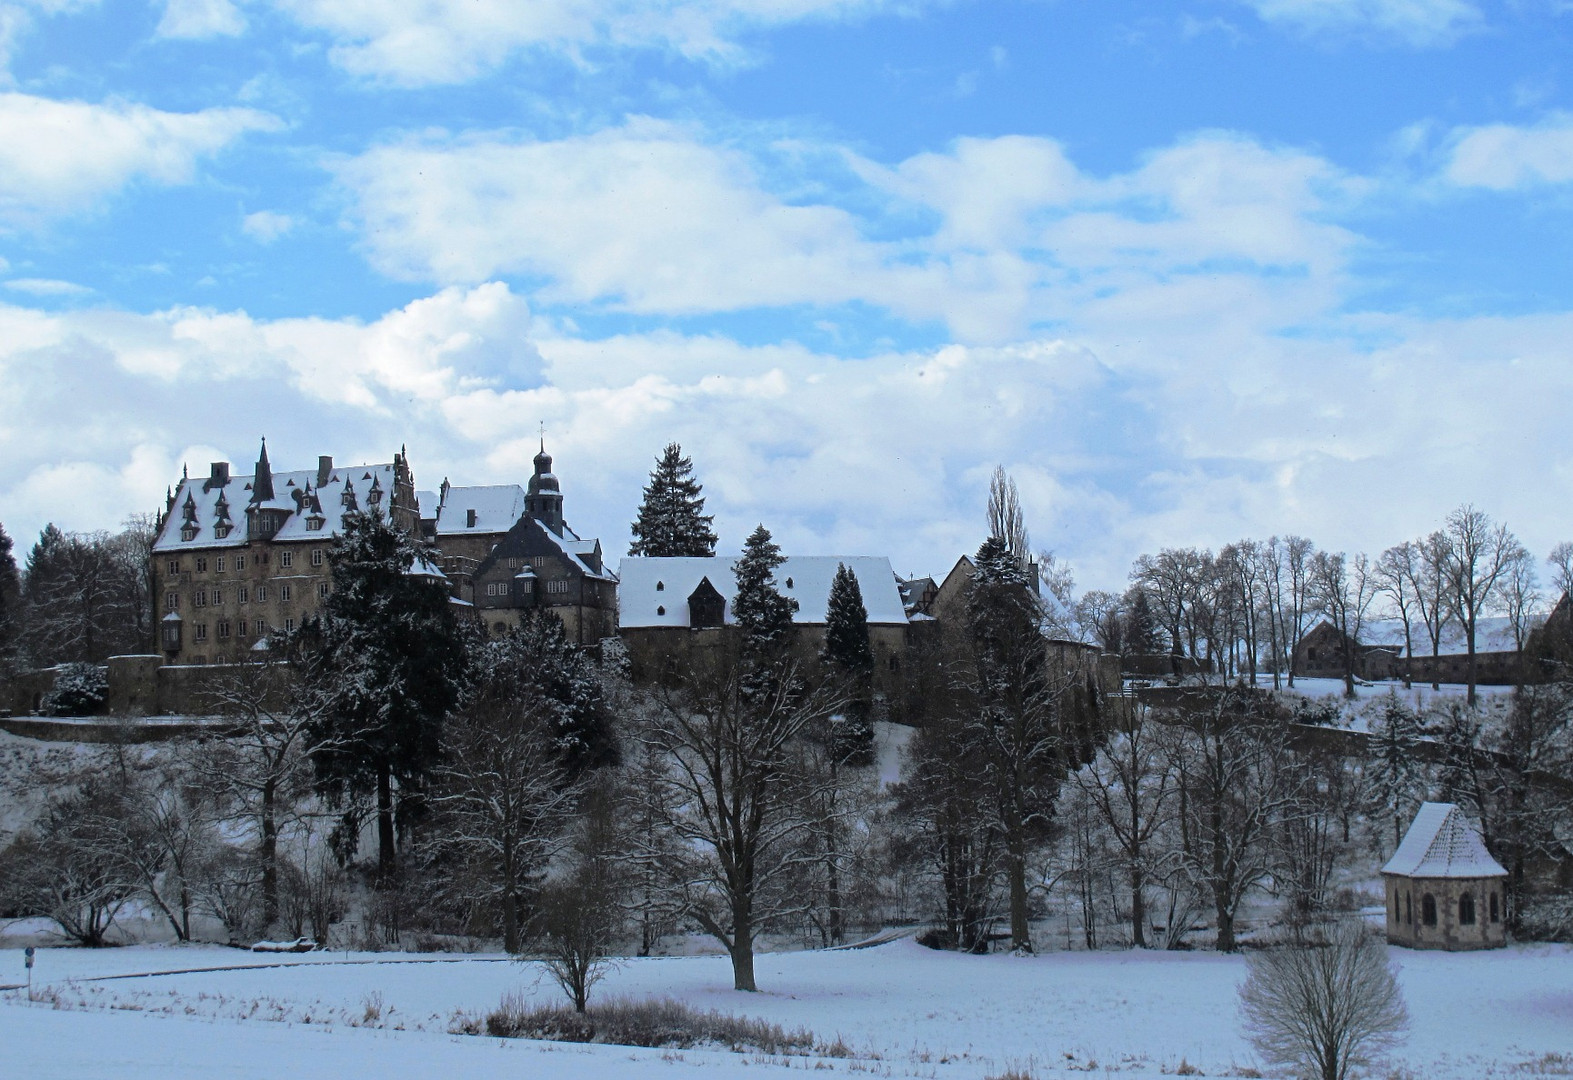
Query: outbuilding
[(1444, 890)]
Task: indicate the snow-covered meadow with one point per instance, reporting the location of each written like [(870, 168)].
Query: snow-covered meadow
[(903, 1009)]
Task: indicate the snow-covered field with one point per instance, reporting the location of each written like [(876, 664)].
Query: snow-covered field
[(905, 1011)]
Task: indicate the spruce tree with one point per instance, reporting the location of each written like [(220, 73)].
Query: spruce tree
[(759, 609), (672, 519), (847, 650), (391, 662), (10, 602)]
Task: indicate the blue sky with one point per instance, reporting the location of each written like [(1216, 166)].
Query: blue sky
[(1191, 271)]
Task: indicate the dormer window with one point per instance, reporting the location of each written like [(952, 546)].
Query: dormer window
[(221, 530), (188, 531), (469, 515), (660, 586), (315, 523), (660, 610), (789, 583)]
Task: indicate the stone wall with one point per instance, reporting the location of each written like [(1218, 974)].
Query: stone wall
[(1406, 923)]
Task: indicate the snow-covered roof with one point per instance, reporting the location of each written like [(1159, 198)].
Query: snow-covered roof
[(650, 585), (496, 506), (1442, 842), (575, 551), (205, 495), (1493, 633)]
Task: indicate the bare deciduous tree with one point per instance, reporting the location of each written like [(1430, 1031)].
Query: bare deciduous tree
[(735, 779), (1325, 1005), (1006, 519), (1480, 557)]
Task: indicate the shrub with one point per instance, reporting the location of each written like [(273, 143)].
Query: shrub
[(1324, 1004), (79, 690), (658, 1022)]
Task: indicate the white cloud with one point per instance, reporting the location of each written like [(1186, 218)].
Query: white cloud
[(266, 226), (1176, 430), (1420, 23), (453, 41), (650, 217), (201, 19), (47, 287), (64, 157), (16, 18), (1506, 156)]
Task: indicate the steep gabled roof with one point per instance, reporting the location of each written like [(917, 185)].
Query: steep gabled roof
[(1442, 842), (655, 590)]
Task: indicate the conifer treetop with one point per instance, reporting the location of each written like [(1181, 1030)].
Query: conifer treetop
[(672, 521), (764, 615), (846, 623)]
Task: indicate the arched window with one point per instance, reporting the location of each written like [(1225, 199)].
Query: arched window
[(1409, 909), (1496, 910), (1466, 909), (1395, 906), (1428, 909)]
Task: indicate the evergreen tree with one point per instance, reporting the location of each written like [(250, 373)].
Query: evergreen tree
[(10, 602), (847, 650), (1142, 635), (761, 612), (537, 663), (392, 664), (672, 519)]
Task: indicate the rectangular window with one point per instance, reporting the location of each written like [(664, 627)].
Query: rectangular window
[(172, 601), (491, 588), (199, 598), (174, 566), (242, 595), (323, 590), (259, 628), (199, 632), (316, 556), (240, 562), (262, 594), (289, 626), (218, 596), (283, 594), (286, 559), (538, 561), (202, 566), (218, 565), (223, 628), (557, 586)]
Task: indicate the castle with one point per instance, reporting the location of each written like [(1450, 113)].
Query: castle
[(238, 557)]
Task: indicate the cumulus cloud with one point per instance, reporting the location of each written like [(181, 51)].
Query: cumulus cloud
[(1507, 156), (453, 41), (200, 19), (266, 226), (65, 157), (1122, 441), (651, 217), (1420, 23)]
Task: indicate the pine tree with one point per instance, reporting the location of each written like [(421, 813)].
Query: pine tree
[(392, 664), (10, 602), (672, 519), (761, 612), (847, 650)]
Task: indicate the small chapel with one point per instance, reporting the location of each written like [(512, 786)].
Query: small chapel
[(1444, 890)]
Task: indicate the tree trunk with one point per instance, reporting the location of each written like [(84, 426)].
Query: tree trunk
[(742, 950), (267, 852), (510, 910), (1470, 641), (1016, 865), (1225, 941), (386, 858), (1138, 909)]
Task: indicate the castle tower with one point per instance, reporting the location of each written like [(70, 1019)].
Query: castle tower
[(544, 500)]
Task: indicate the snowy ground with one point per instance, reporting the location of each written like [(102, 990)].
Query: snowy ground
[(905, 1010)]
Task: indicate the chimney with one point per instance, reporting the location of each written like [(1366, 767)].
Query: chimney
[(324, 469), (218, 475)]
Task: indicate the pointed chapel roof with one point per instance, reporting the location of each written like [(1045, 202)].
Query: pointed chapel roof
[(1442, 842)]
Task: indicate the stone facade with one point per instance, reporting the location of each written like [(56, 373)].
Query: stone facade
[(238, 557), (1455, 914)]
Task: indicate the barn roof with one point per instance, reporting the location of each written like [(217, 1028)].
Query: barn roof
[(655, 591), (1442, 842)]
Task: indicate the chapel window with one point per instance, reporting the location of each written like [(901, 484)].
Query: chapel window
[(1496, 910), (1466, 909), (1428, 909)]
